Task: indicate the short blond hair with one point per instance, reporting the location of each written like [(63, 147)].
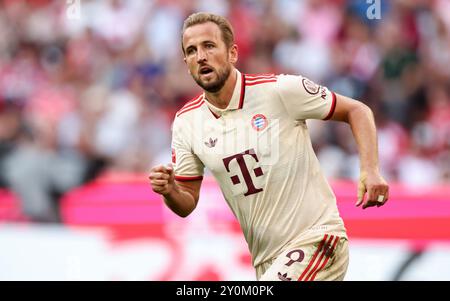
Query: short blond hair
[(202, 17)]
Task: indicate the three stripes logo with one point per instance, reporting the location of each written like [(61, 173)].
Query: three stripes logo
[(259, 122), (320, 258)]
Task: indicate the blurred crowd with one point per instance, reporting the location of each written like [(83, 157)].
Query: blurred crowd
[(90, 86)]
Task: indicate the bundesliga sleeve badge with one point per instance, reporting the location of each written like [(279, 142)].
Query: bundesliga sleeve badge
[(310, 86)]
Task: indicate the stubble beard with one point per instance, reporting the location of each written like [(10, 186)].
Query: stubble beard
[(217, 85)]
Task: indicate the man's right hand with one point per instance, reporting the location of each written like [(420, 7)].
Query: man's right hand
[(162, 179), (180, 197)]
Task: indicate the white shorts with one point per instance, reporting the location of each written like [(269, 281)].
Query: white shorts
[(326, 259)]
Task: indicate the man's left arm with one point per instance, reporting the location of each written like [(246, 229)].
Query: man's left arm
[(360, 118)]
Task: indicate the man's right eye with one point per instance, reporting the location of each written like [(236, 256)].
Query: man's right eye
[(190, 51)]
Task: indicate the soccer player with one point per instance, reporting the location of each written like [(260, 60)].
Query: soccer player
[(250, 132)]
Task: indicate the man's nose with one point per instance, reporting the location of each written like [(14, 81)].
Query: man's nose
[(201, 56)]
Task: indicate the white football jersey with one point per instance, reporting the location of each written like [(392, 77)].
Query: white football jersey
[(260, 152)]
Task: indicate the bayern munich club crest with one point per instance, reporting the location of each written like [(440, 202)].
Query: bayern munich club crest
[(259, 122)]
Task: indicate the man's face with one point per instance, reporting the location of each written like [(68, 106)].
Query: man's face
[(207, 57)]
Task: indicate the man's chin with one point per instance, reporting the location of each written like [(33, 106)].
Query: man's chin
[(212, 83), (207, 80), (212, 87)]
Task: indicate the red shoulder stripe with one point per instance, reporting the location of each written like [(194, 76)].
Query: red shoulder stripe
[(190, 108), (192, 102), (260, 78), (261, 82), (259, 75)]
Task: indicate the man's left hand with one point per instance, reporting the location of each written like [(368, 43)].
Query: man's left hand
[(376, 188)]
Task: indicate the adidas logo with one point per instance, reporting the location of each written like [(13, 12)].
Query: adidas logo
[(211, 143), (284, 277)]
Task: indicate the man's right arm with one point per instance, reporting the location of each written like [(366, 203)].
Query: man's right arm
[(180, 197)]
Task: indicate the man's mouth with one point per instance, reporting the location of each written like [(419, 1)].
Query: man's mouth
[(205, 70)]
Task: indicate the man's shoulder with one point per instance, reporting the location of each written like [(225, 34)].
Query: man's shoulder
[(271, 81), (260, 80), (191, 105)]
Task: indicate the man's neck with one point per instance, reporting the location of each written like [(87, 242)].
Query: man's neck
[(222, 98)]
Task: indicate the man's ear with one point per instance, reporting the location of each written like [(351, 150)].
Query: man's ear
[(184, 59), (233, 52)]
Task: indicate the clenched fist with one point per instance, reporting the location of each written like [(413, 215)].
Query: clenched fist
[(162, 179), (376, 188)]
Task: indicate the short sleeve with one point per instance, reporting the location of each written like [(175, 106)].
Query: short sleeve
[(305, 99), (186, 164)]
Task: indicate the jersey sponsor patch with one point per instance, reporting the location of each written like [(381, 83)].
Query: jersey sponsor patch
[(259, 122), (310, 86)]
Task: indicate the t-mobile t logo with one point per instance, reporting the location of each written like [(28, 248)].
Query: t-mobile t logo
[(244, 170)]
